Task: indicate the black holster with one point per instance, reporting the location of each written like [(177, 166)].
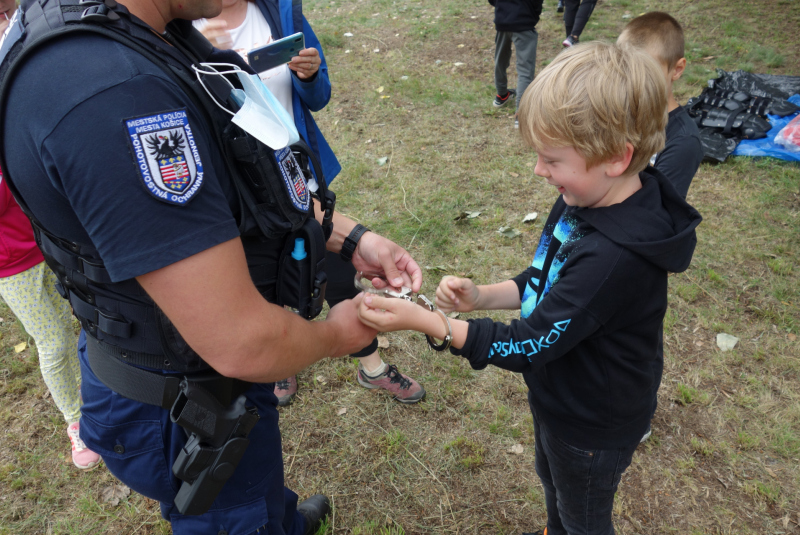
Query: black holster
[(217, 442)]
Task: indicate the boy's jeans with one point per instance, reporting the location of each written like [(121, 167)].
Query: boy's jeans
[(525, 45), (579, 485)]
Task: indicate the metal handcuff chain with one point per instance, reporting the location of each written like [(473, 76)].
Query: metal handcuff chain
[(405, 293)]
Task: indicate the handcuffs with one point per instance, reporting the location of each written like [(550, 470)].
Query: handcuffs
[(405, 293)]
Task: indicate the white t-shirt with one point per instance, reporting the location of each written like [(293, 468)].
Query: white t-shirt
[(254, 32)]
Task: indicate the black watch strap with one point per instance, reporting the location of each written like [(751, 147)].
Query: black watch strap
[(351, 242)]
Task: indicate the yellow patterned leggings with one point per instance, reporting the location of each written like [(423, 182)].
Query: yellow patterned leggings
[(47, 317)]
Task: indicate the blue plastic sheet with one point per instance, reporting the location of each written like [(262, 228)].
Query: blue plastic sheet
[(767, 146)]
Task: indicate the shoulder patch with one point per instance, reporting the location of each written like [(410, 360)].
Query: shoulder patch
[(166, 155), (293, 179)]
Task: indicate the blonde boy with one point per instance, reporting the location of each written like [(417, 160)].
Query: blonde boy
[(661, 36), (594, 297)]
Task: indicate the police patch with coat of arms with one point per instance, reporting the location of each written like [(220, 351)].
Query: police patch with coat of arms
[(166, 155), (293, 179)]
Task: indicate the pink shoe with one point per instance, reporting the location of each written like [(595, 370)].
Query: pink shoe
[(404, 388), (285, 390), (82, 457)]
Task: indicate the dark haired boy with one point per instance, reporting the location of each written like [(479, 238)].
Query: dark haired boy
[(661, 36)]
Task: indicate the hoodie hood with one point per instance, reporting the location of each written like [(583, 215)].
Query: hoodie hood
[(665, 230)]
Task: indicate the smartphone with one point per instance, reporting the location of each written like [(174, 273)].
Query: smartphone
[(276, 53)]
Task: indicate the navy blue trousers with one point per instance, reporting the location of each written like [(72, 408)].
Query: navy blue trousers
[(139, 444), (579, 485)]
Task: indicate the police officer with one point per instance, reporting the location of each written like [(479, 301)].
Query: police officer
[(137, 211)]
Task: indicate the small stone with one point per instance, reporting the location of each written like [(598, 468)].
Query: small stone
[(726, 342)]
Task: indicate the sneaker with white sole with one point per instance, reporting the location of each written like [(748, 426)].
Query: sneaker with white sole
[(499, 101), (82, 457), (571, 40), (404, 388), (285, 390)]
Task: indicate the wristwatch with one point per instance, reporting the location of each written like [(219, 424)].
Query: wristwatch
[(351, 242)]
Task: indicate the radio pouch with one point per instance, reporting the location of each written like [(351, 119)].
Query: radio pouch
[(301, 272)]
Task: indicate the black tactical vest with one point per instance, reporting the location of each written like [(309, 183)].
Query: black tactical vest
[(120, 316)]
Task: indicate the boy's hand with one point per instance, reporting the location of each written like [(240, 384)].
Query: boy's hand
[(456, 294), (389, 314)]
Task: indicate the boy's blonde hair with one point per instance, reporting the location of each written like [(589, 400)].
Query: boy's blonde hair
[(595, 97), (657, 32)]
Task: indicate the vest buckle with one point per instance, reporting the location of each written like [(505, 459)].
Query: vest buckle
[(98, 12)]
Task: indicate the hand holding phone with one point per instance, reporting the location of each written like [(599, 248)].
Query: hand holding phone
[(276, 53), (306, 64)]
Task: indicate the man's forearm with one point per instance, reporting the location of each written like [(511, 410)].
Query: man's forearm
[(211, 300), (342, 225)]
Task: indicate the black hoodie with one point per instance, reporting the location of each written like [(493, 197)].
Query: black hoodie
[(516, 15), (592, 304)]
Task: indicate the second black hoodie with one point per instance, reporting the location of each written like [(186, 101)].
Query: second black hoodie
[(516, 15), (593, 301)]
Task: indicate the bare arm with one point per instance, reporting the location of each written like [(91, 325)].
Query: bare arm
[(213, 303), (386, 314), (463, 295)]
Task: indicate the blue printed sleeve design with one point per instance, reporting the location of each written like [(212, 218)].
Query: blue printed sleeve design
[(558, 241), (552, 317)]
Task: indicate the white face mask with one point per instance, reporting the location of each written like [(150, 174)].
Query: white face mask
[(260, 114)]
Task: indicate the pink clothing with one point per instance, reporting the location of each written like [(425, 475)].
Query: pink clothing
[(18, 250)]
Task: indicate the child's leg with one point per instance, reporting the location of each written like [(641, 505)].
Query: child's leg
[(570, 10), (582, 17), (502, 58), (542, 466), (47, 317), (581, 483), (525, 46)]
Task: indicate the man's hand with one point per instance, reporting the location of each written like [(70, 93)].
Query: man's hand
[(306, 64), (355, 334), (375, 254)]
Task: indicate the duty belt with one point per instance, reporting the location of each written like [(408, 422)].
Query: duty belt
[(209, 407)]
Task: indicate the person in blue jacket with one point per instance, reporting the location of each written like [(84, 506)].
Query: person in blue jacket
[(303, 86)]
